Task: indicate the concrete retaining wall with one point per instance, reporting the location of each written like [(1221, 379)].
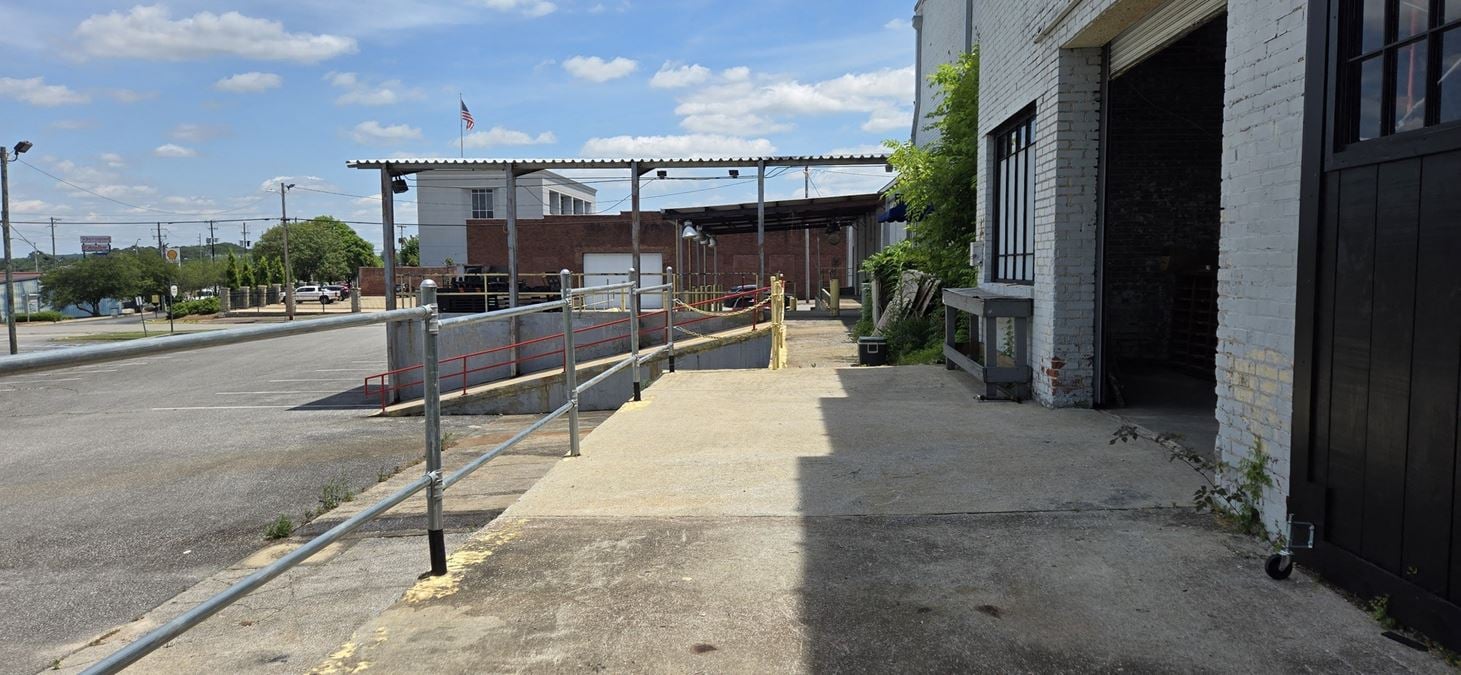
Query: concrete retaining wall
[(458, 341), (546, 393)]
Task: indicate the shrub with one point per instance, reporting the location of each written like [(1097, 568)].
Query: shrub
[(43, 315), (279, 528), (199, 306)]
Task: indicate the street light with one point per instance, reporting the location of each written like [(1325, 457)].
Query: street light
[(5, 160), (288, 273)]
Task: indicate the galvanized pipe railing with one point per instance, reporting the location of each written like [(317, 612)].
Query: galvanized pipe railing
[(433, 481)]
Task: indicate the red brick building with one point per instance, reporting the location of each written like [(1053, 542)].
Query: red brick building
[(557, 242)]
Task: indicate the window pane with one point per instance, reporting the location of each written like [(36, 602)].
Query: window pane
[(1372, 32), (1451, 73), (1413, 18), (1410, 83), (1452, 10), (1368, 81)]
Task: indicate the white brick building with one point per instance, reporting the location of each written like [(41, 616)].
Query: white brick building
[(446, 199), (1159, 175)]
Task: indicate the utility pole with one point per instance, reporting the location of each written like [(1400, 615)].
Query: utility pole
[(807, 236), (9, 278), (53, 237), (245, 241), (161, 248), (288, 273), (212, 243), (5, 160)]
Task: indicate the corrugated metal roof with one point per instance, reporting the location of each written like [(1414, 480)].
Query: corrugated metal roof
[(414, 164)]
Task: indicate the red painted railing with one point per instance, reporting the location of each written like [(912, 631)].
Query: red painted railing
[(457, 366)]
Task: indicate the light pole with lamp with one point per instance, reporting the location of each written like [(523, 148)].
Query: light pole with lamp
[(288, 273), (5, 160)]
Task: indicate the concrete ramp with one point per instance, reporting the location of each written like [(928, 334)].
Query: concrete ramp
[(868, 520)]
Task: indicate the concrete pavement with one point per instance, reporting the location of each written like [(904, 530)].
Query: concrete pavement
[(862, 520), (298, 619), (123, 484)]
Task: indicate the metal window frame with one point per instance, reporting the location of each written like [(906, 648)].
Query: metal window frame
[(1347, 19), (1013, 241), (472, 209)]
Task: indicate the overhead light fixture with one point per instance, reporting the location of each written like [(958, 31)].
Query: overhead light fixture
[(398, 186), (662, 173), (689, 232), (710, 241), (22, 147), (735, 173)]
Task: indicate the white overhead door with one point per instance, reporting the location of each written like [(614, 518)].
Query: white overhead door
[(601, 269), (1165, 25)]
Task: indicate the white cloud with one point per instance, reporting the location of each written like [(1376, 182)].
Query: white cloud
[(113, 160), (898, 24), (251, 82), (311, 182), (360, 92), (595, 69), (374, 133), (888, 119), (100, 181), (671, 77), (532, 8), (198, 133), (172, 150), (35, 91), (760, 102), (689, 145), (501, 136), (149, 32), (36, 206), (734, 124)]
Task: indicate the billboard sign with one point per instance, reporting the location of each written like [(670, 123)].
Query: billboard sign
[(96, 244)]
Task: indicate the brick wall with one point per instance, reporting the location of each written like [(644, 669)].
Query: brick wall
[(557, 242), (373, 279), (1163, 186), (1262, 139)]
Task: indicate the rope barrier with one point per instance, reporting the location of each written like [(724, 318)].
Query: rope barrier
[(760, 305)]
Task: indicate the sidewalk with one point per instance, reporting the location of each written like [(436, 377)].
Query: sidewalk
[(298, 619), (868, 520)]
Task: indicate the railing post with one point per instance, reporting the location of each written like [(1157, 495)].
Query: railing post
[(570, 361), (431, 386), (634, 328), (669, 303)]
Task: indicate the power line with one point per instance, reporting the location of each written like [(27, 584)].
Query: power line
[(129, 205)]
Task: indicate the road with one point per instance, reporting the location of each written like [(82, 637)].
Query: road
[(123, 484)]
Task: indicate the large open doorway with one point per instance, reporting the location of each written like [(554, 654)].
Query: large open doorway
[(1163, 177)]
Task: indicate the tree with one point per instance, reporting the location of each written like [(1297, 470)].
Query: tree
[(234, 274), (204, 273), (260, 275), (937, 183), (320, 249), (90, 281), (410, 255)]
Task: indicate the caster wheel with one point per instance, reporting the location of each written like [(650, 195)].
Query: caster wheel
[(1279, 567)]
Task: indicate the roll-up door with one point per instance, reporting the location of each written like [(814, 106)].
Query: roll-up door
[(1162, 27)]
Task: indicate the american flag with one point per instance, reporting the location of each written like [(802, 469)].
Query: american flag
[(467, 116)]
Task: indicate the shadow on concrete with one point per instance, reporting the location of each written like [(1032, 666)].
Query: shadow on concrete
[(944, 534), (353, 398)]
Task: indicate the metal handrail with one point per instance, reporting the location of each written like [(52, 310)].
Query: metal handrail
[(590, 290), (432, 480), (80, 356)]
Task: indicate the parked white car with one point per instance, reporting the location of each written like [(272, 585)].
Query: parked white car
[(320, 294)]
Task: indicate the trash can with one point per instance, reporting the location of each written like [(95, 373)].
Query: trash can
[(872, 350)]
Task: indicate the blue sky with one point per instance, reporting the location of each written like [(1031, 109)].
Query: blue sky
[(187, 110)]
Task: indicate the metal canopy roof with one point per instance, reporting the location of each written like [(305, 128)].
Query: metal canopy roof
[(790, 214), (416, 164)]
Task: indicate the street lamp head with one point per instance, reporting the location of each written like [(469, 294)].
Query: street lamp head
[(689, 232), (398, 185), (22, 147), (289, 186)]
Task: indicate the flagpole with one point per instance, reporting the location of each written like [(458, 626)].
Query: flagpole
[(461, 129)]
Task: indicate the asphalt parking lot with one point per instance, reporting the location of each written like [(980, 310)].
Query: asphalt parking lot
[(122, 484)]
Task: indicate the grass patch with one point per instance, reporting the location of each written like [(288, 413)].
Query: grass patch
[(923, 356), (280, 528), (334, 493), (46, 315)]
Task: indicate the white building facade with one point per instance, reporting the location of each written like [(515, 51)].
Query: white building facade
[(1243, 200), (446, 200)]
